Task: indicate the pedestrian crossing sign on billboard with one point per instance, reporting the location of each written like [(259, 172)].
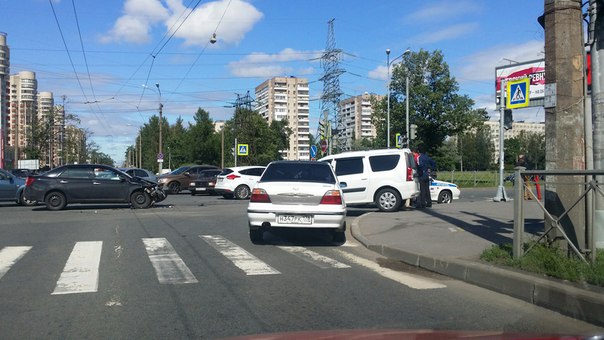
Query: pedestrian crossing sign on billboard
[(242, 149), (517, 94)]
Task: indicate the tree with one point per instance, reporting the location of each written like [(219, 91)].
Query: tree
[(532, 145), (478, 148), (447, 157), (204, 143), (434, 105)]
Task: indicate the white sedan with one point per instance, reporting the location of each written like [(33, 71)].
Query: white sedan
[(443, 192), (297, 194)]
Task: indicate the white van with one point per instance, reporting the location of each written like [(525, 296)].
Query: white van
[(385, 177)]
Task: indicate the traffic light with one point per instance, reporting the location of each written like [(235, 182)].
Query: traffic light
[(507, 119), (412, 131)]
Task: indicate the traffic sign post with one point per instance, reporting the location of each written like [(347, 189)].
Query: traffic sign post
[(399, 140), (323, 145), (242, 149), (517, 93), (313, 152)]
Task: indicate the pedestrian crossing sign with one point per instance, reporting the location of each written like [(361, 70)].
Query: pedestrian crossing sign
[(399, 140), (242, 149), (517, 94)]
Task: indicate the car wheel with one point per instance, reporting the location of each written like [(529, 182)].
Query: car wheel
[(256, 236), (174, 187), (55, 201), (26, 202), (140, 200), (388, 200), (242, 192), (445, 197)]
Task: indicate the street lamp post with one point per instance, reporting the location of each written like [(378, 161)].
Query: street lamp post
[(388, 64), (160, 159)]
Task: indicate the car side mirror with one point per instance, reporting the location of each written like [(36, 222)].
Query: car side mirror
[(186, 173), (343, 185)]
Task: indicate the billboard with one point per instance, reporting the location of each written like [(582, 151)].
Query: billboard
[(534, 70)]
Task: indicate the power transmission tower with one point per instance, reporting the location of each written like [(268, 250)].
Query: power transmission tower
[(330, 98), (244, 102)]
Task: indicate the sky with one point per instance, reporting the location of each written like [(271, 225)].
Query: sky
[(103, 59)]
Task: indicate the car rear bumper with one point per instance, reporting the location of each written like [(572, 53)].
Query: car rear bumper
[(266, 219)]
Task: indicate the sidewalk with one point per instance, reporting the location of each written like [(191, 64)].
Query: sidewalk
[(449, 238)]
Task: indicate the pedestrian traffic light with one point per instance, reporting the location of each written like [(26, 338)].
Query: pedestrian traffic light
[(507, 119)]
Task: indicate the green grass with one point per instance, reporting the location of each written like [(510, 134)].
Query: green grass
[(549, 261), (478, 179)]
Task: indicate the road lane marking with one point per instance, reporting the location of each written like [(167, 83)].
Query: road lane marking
[(241, 258), (9, 256), (453, 230), (408, 280), (169, 267), (81, 272), (315, 258)]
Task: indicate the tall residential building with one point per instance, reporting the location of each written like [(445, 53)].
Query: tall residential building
[(356, 114), (22, 111), (517, 128), (4, 95), (51, 114), (287, 98)]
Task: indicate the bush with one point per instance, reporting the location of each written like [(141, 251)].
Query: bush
[(551, 261)]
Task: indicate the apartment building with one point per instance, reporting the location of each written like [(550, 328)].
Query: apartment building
[(517, 128), (287, 98), (356, 113), (4, 95), (22, 110)]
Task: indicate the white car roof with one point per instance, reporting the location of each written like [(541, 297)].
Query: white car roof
[(239, 168), (366, 153)]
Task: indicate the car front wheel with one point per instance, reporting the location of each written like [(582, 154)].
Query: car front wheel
[(55, 201), (388, 200), (140, 200), (445, 197), (26, 202), (242, 192), (174, 187)]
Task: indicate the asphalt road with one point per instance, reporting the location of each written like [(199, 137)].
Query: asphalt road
[(186, 269)]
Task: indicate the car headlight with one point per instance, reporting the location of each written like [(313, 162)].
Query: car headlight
[(192, 184), (162, 180)]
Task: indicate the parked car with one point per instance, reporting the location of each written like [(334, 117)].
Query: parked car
[(383, 177), (297, 194), (180, 178), (238, 181), (443, 192), (90, 183), (205, 182), (23, 173), (11, 188), (142, 173)]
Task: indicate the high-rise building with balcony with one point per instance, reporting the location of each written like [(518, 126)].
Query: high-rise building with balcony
[(4, 95), (287, 98), (356, 113), (22, 112)]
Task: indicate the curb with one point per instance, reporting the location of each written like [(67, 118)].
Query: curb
[(553, 294)]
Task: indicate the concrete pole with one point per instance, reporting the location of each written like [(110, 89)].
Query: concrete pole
[(388, 109), (407, 109), (596, 41), (564, 66)]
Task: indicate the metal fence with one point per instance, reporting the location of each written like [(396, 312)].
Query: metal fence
[(590, 187), (472, 178)]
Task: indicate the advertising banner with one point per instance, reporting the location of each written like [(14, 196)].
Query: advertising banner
[(534, 70)]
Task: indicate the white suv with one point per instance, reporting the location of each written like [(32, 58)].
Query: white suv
[(385, 177), (238, 181)]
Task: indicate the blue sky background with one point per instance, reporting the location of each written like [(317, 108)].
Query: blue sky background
[(256, 40)]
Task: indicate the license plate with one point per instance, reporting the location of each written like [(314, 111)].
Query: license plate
[(219, 180), (294, 219)]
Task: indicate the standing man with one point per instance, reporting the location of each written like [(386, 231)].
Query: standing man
[(425, 165)]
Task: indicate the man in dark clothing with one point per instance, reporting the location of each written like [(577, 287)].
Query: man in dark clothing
[(425, 165)]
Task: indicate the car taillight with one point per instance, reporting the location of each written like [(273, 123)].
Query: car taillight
[(259, 196), (29, 181), (409, 174), (232, 177), (332, 197)]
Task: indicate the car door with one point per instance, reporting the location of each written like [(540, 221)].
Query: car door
[(75, 183), (8, 187), (109, 186), (353, 172)]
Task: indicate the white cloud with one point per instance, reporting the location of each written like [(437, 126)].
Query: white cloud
[(140, 16), (270, 65), (380, 72), (481, 66), (448, 33), (444, 10), (134, 25)]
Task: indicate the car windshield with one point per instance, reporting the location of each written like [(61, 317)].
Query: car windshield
[(180, 170), (298, 172)]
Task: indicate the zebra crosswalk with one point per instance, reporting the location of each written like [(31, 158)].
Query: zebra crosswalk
[(82, 269)]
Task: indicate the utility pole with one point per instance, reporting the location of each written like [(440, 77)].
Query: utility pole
[(565, 122), (596, 43)]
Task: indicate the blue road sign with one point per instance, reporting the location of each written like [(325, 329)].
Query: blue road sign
[(518, 93), (242, 149), (313, 151)]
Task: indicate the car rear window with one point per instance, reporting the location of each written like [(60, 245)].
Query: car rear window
[(384, 162), (252, 172), (298, 172), (226, 172)]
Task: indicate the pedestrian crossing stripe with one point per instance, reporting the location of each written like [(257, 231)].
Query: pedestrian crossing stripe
[(517, 94)]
